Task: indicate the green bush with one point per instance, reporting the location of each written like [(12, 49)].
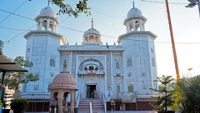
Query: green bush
[(1, 104), (19, 104)]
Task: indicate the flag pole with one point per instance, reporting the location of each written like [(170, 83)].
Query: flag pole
[(172, 42)]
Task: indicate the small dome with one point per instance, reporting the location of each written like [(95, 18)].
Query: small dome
[(134, 12), (63, 80), (47, 11), (91, 31)]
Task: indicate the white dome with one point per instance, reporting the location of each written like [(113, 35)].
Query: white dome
[(91, 31), (134, 12), (47, 11)]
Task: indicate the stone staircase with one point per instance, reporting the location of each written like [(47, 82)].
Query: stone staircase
[(97, 106)]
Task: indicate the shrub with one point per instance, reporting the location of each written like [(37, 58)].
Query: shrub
[(19, 104)]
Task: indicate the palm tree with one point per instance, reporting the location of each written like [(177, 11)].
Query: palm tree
[(193, 3)]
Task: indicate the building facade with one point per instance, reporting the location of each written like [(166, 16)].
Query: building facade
[(122, 72)]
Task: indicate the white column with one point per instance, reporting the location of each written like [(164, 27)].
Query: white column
[(141, 25), (134, 29), (128, 27), (48, 23), (53, 29), (40, 24)]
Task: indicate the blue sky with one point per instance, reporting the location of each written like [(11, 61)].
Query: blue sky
[(108, 18)]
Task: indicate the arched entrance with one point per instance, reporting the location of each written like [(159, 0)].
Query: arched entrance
[(91, 89), (91, 80)]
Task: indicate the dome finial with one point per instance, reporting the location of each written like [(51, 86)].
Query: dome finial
[(133, 3), (65, 66), (48, 3), (92, 23)]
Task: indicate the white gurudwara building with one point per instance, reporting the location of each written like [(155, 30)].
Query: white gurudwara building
[(119, 76)]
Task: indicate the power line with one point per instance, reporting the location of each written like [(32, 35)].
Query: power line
[(16, 14), (13, 11), (15, 29), (158, 2), (105, 15), (81, 31), (19, 34)]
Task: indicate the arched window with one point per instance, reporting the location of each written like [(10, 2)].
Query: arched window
[(96, 68), (51, 25), (85, 68), (35, 87), (45, 24), (129, 62), (52, 62), (51, 74), (117, 65), (91, 38), (153, 61), (91, 68), (130, 87)]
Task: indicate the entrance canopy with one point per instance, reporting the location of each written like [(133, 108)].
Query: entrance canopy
[(7, 66)]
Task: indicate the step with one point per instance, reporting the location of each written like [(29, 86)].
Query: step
[(97, 106)]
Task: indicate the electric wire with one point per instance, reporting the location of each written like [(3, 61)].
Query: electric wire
[(72, 29), (25, 17), (158, 2), (19, 34), (13, 11), (10, 28), (108, 36)]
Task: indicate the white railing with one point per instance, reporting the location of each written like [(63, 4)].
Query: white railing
[(78, 100), (91, 107), (104, 103)]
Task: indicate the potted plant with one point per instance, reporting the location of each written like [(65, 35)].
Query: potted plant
[(19, 105)]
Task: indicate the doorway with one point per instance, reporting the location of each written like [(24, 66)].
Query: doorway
[(91, 91)]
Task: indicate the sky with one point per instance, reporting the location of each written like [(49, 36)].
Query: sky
[(108, 18)]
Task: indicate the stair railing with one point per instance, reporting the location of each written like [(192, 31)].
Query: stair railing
[(104, 103), (91, 107), (78, 100)]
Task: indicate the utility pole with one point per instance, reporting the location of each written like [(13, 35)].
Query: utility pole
[(172, 42)]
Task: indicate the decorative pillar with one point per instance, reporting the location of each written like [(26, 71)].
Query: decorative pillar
[(52, 103), (60, 99), (48, 25), (72, 93), (40, 24), (134, 26), (128, 29)]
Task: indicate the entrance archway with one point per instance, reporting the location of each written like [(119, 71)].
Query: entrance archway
[(91, 91)]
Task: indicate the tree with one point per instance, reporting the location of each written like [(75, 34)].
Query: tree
[(165, 90), (1, 47), (13, 80), (191, 95), (177, 97), (66, 8), (192, 3)]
